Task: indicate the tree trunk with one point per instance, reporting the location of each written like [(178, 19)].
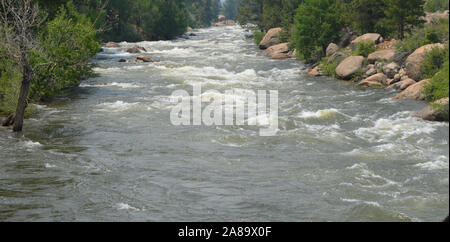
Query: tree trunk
[(23, 98)]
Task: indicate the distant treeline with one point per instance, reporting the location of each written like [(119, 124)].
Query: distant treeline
[(134, 20), (310, 25)]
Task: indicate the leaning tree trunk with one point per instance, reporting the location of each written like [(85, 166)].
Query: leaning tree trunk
[(23, 98)]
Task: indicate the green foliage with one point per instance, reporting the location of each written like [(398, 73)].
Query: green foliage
[(364, 48), (317, 23), (68, 42), (436, 5), (434, 61), (365, 16), (401, 16), (430, 34), (258, 36), (329, 69), (439, 85), (10, 78)]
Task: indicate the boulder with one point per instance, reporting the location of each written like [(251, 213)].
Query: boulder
[(376, 80), (383, 55), (189, 29), (349, 67), (136, 49), (270, 39), (391, 69), (112, 45), (402, 85), (414, 62), (315, 72), (414, 92), (372, 71), (9, 120), (145, 59), (332, 49), (280, 51), (438, 111), (372, 37)]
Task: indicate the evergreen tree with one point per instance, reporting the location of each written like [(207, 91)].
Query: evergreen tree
[(403, 15), (317, 23)]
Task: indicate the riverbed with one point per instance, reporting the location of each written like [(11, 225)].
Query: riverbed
[(108, 152)]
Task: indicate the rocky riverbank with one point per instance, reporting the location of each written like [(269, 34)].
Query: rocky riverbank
[(383, 67)]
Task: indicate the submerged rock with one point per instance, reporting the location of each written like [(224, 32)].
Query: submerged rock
[(146, 59), (136, 50), (112, 45)]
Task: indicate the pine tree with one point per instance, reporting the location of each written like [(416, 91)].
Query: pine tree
[(403, 15)]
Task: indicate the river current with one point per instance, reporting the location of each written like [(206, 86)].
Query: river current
[(109, 152)]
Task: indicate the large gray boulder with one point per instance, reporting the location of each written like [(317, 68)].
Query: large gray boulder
[(349, 67), (414, 63), (270, 39)]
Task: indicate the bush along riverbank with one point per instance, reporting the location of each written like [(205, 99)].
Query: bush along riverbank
[(46, 48), (416, 66)]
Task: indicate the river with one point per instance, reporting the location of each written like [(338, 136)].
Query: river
[(109, 152)]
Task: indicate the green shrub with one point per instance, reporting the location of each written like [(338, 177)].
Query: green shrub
[(437, 88), (329, 69), (317, 24), (68, 42), (430, 34), (10, 77), (434, 61), (436, 5), (258, 36), (364, 48)]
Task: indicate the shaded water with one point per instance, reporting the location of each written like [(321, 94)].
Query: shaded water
[(109, 152)]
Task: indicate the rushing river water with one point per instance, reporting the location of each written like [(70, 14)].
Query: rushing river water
[(109, 151)]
